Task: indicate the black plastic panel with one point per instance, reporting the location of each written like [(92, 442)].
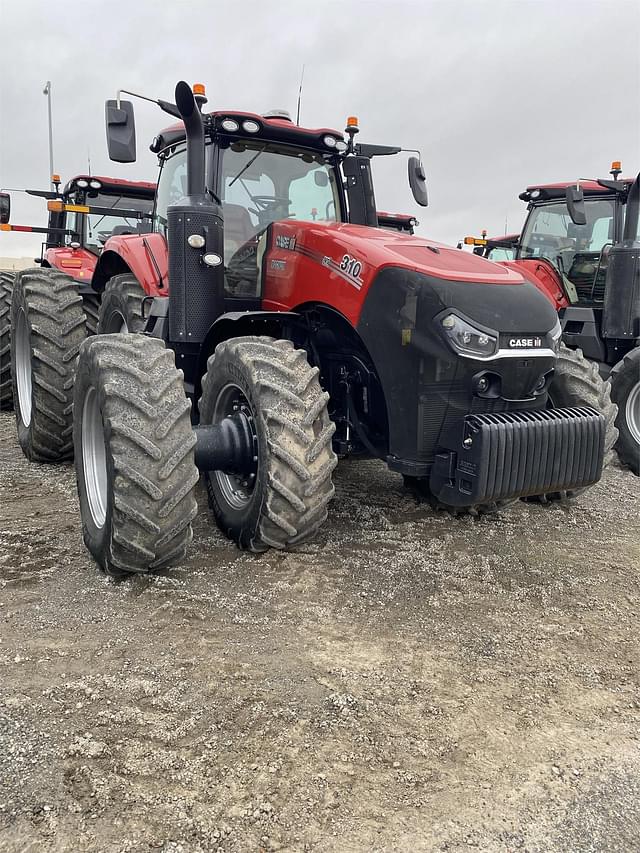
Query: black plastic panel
[(196, 291)]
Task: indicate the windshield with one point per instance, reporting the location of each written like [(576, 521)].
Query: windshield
[(550, 233), (264, 182), (99, 227)]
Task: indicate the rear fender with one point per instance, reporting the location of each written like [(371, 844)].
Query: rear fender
[(143, 255)]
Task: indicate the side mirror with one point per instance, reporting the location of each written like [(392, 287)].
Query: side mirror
[(5, 208), (121, 131), (418, 181), (575, 206)]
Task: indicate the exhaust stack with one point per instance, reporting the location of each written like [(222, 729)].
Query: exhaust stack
[(195, 237)]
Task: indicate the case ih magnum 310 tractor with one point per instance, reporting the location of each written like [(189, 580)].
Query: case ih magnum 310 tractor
[(290, 338), (82, 217), (580, 245)]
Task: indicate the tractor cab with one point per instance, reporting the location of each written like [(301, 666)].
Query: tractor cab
[(578, 250), (263, 169), (72, 218)]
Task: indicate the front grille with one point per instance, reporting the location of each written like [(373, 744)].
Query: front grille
[(514, 454), (439, 414)]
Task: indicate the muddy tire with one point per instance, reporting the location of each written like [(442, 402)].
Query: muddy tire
[(577, 382), (134, 452), (121, 306), (91, 305), (625, 391), (284, 501), (6, 288), (419, 488), (47, 327)]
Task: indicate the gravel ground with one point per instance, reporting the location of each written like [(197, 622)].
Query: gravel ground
[(409, 682)]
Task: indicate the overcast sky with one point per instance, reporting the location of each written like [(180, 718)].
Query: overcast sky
[(497, 95)]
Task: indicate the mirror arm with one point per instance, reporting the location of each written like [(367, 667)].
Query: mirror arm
[(167, 106)]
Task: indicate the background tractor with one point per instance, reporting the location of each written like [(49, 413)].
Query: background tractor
[(580, 245), (82, 216), (269, 309)]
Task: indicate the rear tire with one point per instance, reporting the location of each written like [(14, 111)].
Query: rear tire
[(625, 391), (47, 327), (121, 306), (577, 382), (91, 305), (285, 502), (6, 288), (134, 451)]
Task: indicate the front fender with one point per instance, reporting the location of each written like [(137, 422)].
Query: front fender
[(144, 255)]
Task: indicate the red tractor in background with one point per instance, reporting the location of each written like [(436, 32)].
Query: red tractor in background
[(270, 309), (580, 245), (82, 216)]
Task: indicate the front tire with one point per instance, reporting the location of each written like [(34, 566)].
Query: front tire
[(577, 382), (284, 502), (47, 328), (625, 391), (419, 488), (121, 306), (134, 451), (6, 288)]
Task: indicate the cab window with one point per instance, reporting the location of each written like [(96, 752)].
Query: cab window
[(261, 183), (172, 186)]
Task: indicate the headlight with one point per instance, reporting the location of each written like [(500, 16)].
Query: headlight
[(82, 184), (95, 185), (230, 125), (466, 339), (250, 126), (329, 141)]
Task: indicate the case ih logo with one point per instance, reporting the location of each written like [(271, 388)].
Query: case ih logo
[(285, 242), (525, 343)]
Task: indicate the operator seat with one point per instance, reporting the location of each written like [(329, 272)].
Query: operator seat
[(238, 227)]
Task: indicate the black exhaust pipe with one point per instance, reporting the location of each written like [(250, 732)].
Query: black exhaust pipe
[(196, 273), (194, 128), (630, 233)]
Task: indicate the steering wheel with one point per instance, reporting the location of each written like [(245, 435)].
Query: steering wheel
[(267, 206)]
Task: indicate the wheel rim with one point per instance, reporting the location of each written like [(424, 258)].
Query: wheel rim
[(237, 489), (23, 367), (117, 324), (94, 458), (632, 412)]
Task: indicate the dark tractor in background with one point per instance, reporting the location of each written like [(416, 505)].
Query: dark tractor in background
[(580, 245), (81, 217), (270, 309)]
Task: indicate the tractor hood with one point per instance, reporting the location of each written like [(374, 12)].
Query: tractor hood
[(378, 248), (338, 265)]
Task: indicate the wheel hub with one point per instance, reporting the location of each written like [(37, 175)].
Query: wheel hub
[(237, 486)]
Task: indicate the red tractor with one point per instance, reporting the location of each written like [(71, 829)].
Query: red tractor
[(269, 309), (82, 216), (580, 245)]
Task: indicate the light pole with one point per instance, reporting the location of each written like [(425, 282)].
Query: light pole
[(47, 91)]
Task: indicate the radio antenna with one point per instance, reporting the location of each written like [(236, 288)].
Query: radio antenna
[(300, 96)]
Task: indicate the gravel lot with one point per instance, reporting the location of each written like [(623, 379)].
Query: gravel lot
[(410, 682)]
